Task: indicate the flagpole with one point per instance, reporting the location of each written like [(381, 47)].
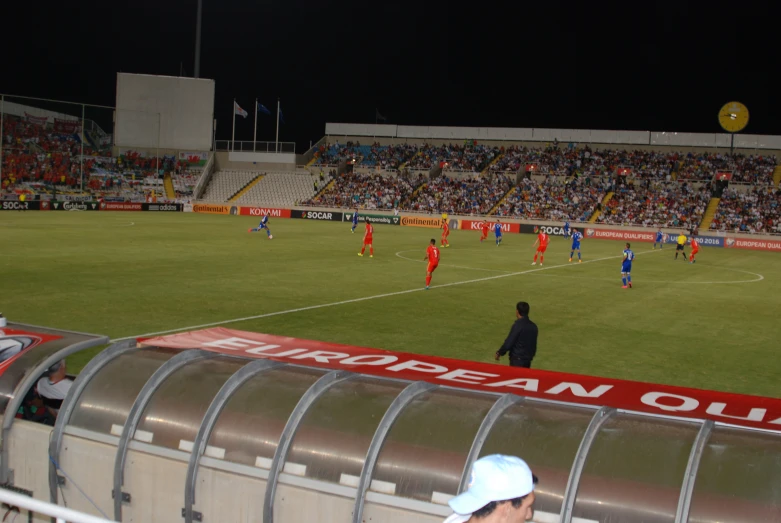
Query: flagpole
[(276, 143), (255, 134), (233, 136)]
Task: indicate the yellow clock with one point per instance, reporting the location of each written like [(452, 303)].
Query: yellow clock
[(733, 117)]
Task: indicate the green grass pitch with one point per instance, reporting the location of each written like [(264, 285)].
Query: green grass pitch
[(709, 325)]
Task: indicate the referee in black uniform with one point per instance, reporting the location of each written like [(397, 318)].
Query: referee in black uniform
[(522, 341)]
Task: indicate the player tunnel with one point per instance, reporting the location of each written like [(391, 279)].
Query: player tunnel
[(152, 433)]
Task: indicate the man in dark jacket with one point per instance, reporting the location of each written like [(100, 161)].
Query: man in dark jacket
[(522, 341)]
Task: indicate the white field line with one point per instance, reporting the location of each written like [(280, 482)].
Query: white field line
[(366, 298)]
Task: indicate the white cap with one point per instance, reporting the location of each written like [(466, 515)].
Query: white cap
[(494, 478)]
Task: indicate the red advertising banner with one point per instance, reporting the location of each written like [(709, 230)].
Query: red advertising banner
[(723, 176), (755, 245), (474, 225), (66, 126), (736, 409), (13, 343), (119, 206), (37, 120), (262, 211), (618, 234)]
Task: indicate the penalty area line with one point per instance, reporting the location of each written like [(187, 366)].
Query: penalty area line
[(358, 300)]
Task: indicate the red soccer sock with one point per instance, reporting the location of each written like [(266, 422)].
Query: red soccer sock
[(428, 281), (363, 249), (542, 258), (535, 257), (371, 250)]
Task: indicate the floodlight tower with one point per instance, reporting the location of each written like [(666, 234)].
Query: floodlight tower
[(198, 40)]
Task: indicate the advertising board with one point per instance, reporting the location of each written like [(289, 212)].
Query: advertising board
[(752, 411)]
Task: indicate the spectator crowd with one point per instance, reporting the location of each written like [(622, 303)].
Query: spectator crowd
[(37, 158), (554, 182), (656, 204), (367, 191), (757, 210)]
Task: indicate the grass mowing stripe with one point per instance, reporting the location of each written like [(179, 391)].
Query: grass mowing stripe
[(365, 298)]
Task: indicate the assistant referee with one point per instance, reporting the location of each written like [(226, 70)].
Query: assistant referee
[(522, 341)]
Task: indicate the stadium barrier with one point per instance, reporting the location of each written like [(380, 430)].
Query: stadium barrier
[(317, 215), (374, 218), (262, 211), (416, 221), (630, 234), (54, 205)]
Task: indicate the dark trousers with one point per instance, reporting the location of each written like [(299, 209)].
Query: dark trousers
[(521, 363)]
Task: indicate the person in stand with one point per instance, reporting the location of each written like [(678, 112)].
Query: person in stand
[(501, 490), (522, 340)]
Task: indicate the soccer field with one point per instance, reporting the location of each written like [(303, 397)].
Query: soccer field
[(709, 325)]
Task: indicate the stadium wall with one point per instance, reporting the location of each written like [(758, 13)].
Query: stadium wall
[(532, 135), (164, 111), (227, 161)]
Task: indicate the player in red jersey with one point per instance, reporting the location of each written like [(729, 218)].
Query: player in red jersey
[(542, 240), (367, 240), (485, 227), (432, 255), (445, 233), (695, 249)]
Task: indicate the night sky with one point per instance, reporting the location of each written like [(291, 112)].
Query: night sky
[(660, 66)]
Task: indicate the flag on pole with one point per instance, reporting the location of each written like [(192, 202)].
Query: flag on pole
[(378, 116), (281, 118), (238, 110), (263, 109)]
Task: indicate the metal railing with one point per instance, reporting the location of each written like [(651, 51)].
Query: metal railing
[(60, 514), (206, 175), (255, 147)]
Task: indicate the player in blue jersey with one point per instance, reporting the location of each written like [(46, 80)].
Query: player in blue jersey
[(498, 232), (576, 237), (566, 231), (355, 221), (626, 267), (659, 238), (263, 226)]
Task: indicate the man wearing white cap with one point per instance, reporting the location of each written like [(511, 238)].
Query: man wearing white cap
[(501, 490)]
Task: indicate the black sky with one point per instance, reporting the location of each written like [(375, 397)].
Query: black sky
[(661, 66)]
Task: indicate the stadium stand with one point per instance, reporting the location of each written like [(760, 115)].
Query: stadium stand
[(368, 191), (657, 203), (39, 160), (753, 169), (467, 157), (333, 154), (756, 210), (552, 200), (281, 189), (225, 184), (388, 157), (568, 182), (469, 195)]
